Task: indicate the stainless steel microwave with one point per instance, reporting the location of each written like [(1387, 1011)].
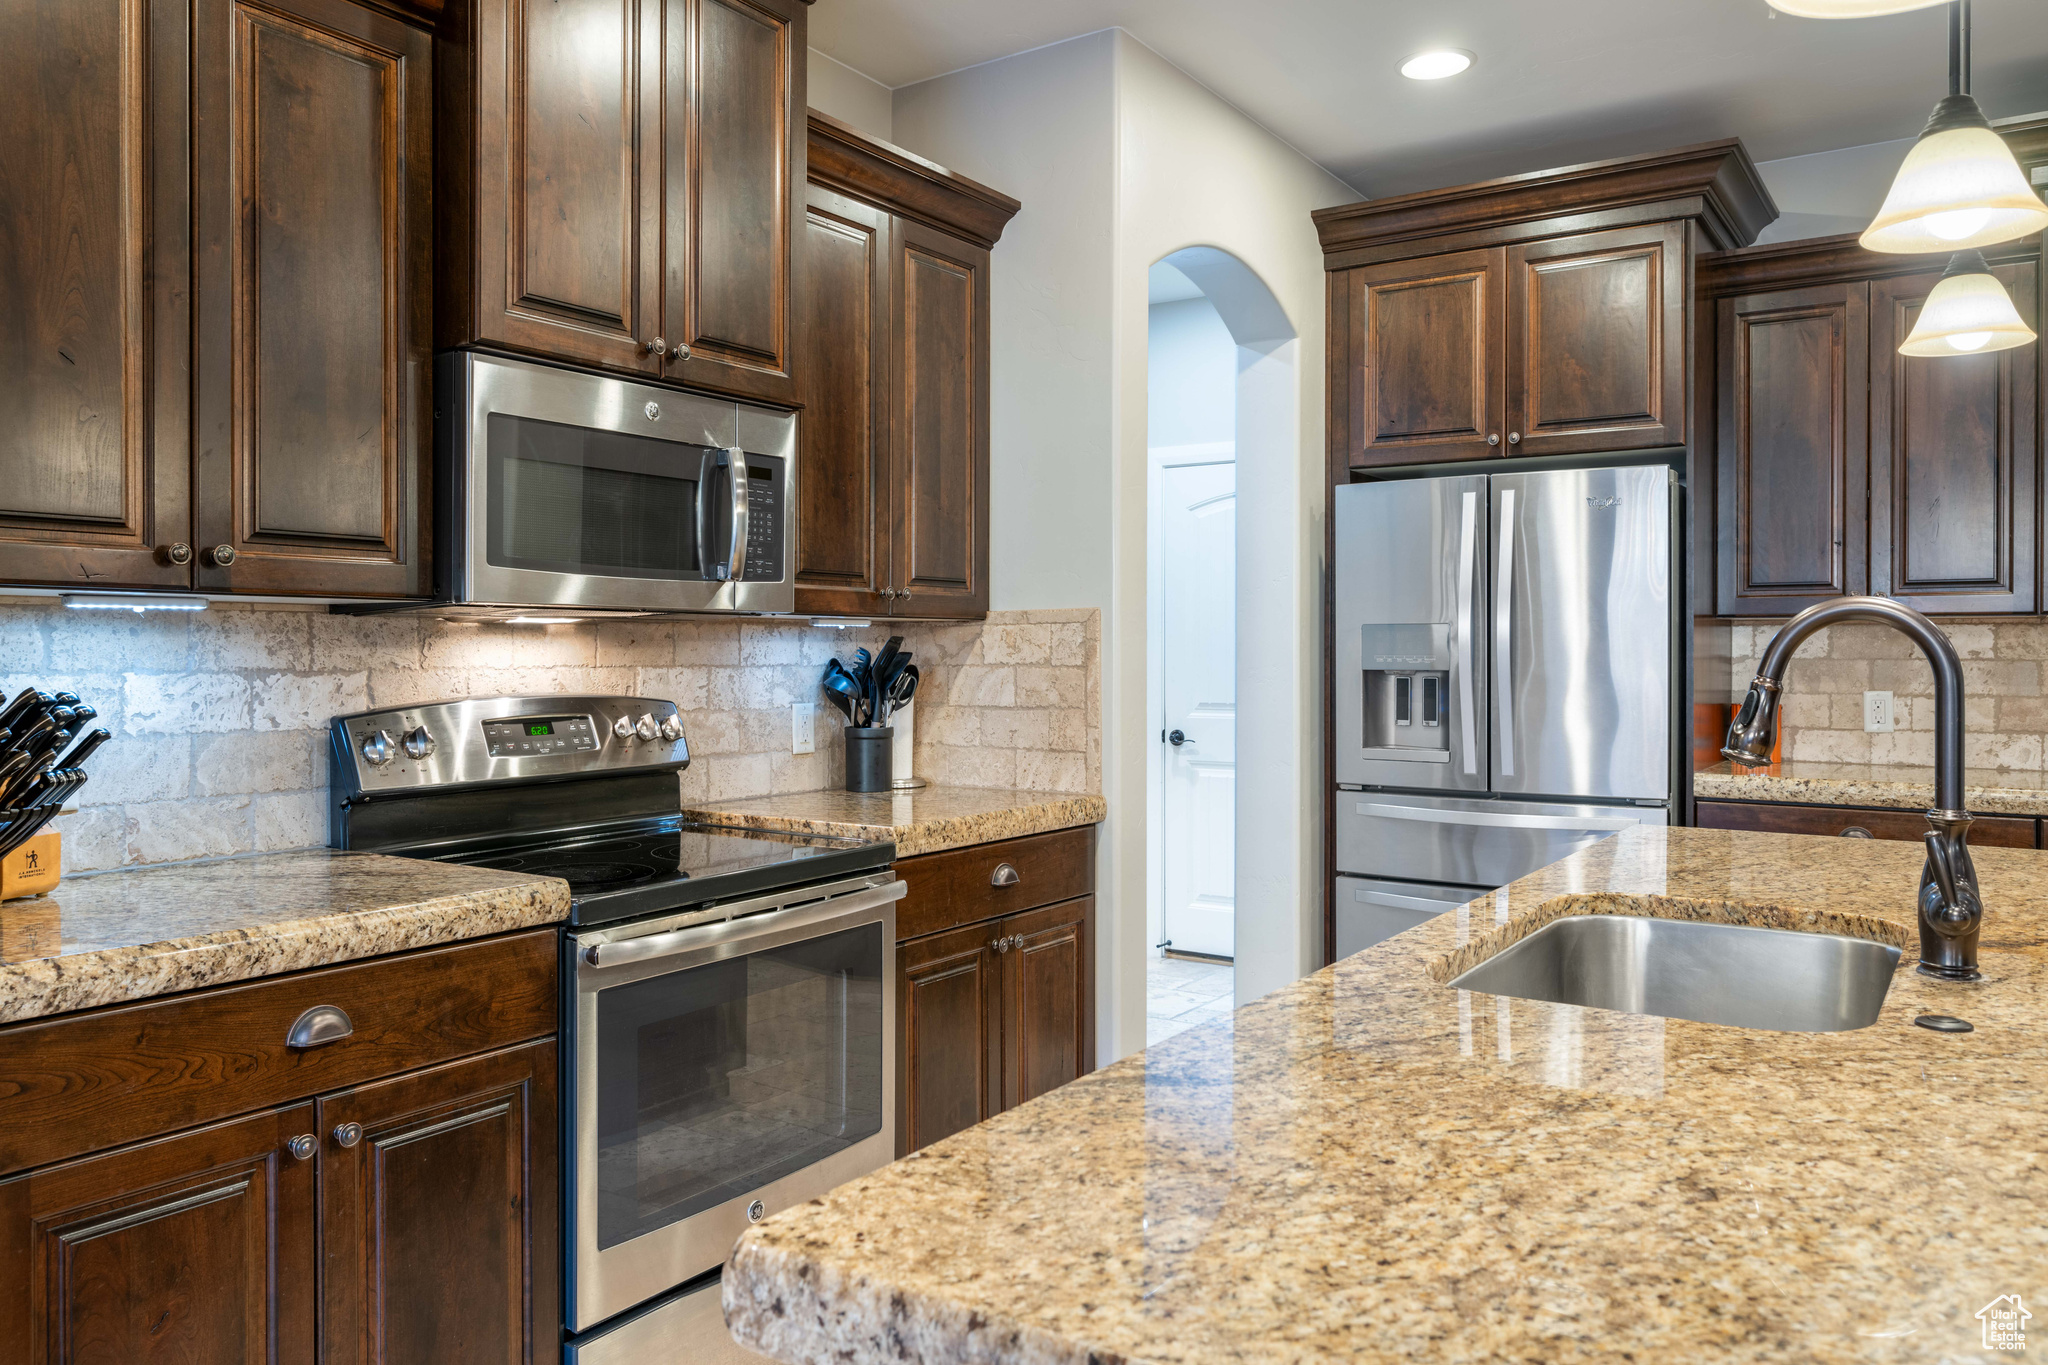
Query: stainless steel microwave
[(566, 493)]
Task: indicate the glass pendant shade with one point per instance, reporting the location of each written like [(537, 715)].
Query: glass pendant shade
[(1958, 188), (1850, 9), (1968, 313)]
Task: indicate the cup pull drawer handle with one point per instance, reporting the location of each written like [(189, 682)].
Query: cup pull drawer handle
[(319, 1026), (1857, 832), (1004, 875)]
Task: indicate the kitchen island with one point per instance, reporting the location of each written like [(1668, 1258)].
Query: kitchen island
[(1371, 1166)]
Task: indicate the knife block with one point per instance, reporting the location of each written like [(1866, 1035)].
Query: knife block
[(33, 869)]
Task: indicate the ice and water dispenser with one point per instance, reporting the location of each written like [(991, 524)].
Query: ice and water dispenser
[(1407, 672)]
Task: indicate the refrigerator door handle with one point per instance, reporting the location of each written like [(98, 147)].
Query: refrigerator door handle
[(1468, 569), (1503, 634), (1498, 819)]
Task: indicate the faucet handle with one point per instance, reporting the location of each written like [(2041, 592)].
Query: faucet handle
[(1941, 865)]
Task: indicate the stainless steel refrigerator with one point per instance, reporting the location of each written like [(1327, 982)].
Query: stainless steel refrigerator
[(1503, 690)]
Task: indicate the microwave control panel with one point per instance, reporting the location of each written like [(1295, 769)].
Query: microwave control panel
[(766, 494)]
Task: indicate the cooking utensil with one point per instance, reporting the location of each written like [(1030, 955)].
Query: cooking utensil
[(86, 748), (901, 691), (845, 694), (17, 710)]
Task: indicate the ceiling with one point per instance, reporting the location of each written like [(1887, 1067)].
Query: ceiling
[(1557, 81)]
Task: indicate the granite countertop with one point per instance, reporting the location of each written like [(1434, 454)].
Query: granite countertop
[(136, 933), (1367, 1166), (1987, 791), (923, 821)]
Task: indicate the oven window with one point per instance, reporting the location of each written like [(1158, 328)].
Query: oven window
[(715, 1080), (576, 500)]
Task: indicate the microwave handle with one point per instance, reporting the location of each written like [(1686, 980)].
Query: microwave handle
[(736, 475)]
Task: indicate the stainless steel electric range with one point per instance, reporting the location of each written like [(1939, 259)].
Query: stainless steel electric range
[(728, 995)]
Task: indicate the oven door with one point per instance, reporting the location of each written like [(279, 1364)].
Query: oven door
[(720, 1072), (577, 491)]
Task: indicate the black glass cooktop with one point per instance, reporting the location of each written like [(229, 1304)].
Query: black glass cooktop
[(666, 865)]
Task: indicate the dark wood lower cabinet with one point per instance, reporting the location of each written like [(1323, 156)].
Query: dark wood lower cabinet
[(1855, 822), (949, 997), (1048, 1016), (427, 1215), (192, 1248)]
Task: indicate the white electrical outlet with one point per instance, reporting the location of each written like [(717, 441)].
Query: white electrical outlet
[(1877, 713), (803, 728)]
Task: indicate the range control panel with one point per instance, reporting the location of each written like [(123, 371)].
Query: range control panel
[(502, 739)]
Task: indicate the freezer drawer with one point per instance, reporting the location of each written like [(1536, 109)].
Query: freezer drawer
[(1469, 842), (686, 1326), (1370, 911)]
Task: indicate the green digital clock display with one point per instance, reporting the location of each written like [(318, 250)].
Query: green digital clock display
[(540, 727)]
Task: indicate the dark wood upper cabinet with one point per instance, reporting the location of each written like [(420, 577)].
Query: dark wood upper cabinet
[(1428, 335), (432, 1188), (95, 291), (1954, 442), (1596, 341), (1793, 442), (842, 549), (629, 176), (193, 1248), (1540, 314), (314, 166), (893, 511), (1844, 467)]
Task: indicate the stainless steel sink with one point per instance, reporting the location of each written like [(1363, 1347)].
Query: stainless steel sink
[(1685, 969)]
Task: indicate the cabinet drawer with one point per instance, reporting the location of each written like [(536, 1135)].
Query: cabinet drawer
[(959, 886), (1987, 831), (80, 1083)]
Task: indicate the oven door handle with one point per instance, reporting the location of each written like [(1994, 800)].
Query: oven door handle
[(630, 950)]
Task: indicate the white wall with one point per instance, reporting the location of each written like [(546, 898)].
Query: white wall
[(1195, 172), (850, 96), (1191, 381), (1828, 193)]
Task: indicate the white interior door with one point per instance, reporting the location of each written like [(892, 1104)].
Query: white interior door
[(1199, 544)]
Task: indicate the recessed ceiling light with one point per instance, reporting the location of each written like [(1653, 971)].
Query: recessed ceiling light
[(1437, 64)]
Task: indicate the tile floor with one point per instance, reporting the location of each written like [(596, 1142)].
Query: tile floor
[(1181, 994)]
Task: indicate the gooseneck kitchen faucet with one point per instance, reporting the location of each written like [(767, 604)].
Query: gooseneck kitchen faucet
[(1951, 911)]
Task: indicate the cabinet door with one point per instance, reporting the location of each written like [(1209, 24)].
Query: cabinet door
[(1850, 822), (194, 1248), (1427, 371), (733, 140), (939, 449), (843, 502), (1596, 341), (439, 1241), (1953, 449), (564, 249), (949, 1041), (315, 329), (94, 285), (1048, 998), (1793, 369)]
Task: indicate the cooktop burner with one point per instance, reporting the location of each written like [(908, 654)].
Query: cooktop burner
[(622, 873)]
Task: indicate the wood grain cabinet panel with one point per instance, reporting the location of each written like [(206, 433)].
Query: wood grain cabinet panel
[(949, 997), (1596, 341), (194, 1248), (314, 169), (842, 543), (1427, 337), (438, 1215), (95, 290), (1954, 441), (1048, 1016), (1793, 448), (1854, 822), (941, 513)]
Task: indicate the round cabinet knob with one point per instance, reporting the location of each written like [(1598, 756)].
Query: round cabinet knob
[(220, 556), (179, 554), (1514, 438), (302, 1146), (672, 729), (1494, 439), (348, 1134), (647, 729), (419, 744), (679, 351), (623, 727), (658, 346), (378, 749)]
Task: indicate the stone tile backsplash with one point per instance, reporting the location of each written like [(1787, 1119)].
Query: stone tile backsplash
[(219, 717), (2006, 714)]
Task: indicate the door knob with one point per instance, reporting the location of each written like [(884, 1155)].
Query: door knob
[(1177, 738)]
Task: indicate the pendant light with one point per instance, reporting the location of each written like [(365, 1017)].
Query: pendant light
[(1850, 9), (1968, 313), (1960, 186)]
